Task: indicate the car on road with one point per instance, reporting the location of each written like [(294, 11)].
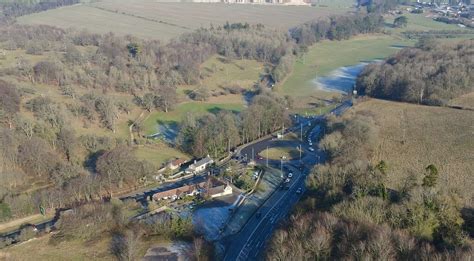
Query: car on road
[(311, 149), (290, 175), (299, 190)]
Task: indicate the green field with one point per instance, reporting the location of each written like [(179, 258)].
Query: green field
[(165, 20), (421, 22), (289, 153), (159, 154), (327, 56), (177, 114), (221, 72)]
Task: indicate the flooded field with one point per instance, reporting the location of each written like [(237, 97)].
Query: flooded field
[(341, 80)]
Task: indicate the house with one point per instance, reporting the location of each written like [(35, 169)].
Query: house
[(199, 166), (222, 190), (211, 187), (176, 163), (173, 194)]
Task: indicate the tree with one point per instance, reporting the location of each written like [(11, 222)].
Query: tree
[(431, 177), (134, 49), (9, 102), (167, 97), (124, 245), (107, 111), (36, 157), (200, 94), (426, 43), (66, 142), (120, 165), (401, 21)]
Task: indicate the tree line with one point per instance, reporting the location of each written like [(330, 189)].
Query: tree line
[(336, 28), (350, 212), (217, 134), (432, 73), (11, 9), (380, 6)]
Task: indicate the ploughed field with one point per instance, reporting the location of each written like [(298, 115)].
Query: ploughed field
[(165, 20)]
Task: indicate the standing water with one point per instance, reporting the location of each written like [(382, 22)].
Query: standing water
[(341, 80)]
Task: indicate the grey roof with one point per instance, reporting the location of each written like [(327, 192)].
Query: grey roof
[(204, 161)]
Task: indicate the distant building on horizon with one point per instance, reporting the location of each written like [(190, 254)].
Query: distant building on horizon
[(271, 2)]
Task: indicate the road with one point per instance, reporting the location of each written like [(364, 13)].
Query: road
[(248, 243)]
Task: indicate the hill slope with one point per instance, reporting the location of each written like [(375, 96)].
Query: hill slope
[(413, 136)]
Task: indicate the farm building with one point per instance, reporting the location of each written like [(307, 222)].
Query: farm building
[(284, 2)]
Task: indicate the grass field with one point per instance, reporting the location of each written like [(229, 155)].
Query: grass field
[(327, 56), (175, 116), (464, 101), (159, 154), (414, 136), (421, 22), (220, 72), (165, 20), (278, 152), (68, 250)]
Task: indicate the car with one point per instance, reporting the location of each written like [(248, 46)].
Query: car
[(311, 149), (290, 175), (287, 180), (310, 144), (259, 157), (299, 190)]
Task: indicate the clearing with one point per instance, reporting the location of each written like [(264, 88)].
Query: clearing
[(413, 136), (219, 72)]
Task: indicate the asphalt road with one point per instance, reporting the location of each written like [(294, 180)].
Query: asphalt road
[(249, 242)]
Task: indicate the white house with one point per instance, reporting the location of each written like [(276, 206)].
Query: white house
[(199, 166)]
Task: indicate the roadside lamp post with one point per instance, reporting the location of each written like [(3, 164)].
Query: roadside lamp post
[(301, 131), (281, 167), (301, 149), (267, 156)]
